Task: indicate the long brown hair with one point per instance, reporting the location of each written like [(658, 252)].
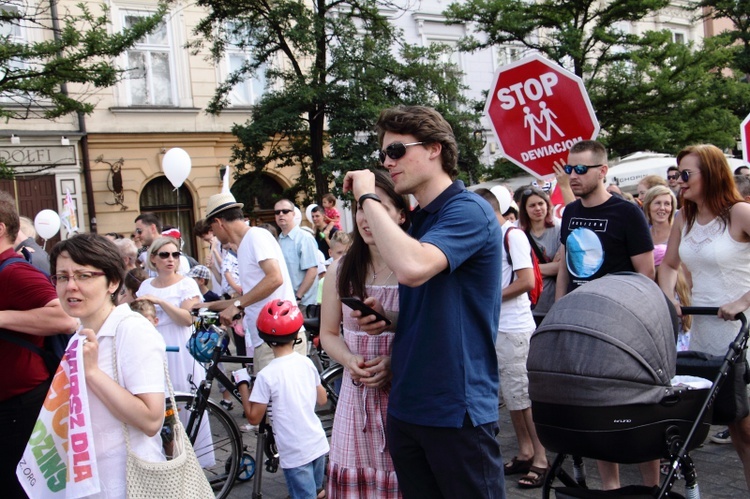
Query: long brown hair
[(352, 270), (524, 221), (719, 190)]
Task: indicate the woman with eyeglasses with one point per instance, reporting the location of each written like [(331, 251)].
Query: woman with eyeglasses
[(359, 462), (174, 296), (87, 272), (537, 221), (711, 236)]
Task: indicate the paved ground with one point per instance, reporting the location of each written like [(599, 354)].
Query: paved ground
[(719, 471)]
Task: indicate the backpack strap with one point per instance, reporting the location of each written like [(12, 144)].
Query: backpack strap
[(6, 335), (539, 254), (507, 253), (11, 260)]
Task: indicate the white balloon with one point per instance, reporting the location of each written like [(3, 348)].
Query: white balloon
[(297, 216), (308, 212), (176, 165), (47, 223), (503, 197)]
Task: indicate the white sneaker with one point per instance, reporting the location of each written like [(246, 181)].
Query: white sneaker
[(247, 428)]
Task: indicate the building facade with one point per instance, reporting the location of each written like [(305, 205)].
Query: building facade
[(111, 161)]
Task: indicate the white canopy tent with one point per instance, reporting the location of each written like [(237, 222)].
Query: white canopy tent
[(630, 169)]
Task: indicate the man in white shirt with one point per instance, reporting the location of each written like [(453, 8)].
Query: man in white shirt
[(512, 348), (263, 273)]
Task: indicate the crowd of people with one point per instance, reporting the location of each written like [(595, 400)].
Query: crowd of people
[(417, 413)]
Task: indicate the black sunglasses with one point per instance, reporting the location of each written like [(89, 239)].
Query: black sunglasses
[(579, 169), (396, 150), (673, 177), (279, 212), (166, 254), (685, 175)]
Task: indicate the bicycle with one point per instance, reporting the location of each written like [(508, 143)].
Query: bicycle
[(224, 448)]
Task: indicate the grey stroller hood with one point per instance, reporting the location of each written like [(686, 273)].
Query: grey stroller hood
[(610, 342)]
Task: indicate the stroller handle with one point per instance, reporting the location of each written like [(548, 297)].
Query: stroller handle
[(712, 311)]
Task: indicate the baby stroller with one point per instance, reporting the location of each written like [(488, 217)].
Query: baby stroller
[(600, 369)]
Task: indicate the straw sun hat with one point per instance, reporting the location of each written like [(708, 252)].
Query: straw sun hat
[(221, 202)]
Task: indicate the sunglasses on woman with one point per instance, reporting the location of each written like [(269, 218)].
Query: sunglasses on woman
[(579, 169), (685, 175), (396, 150), (166, 254)]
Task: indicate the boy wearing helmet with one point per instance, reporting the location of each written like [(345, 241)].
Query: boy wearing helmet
[(291, 381)]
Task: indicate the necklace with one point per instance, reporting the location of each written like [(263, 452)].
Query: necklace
[(376, 272)]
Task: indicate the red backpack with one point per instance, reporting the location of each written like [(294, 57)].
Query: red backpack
[(536, 292)]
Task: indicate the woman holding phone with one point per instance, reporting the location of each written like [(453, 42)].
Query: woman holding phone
[(359, 462)]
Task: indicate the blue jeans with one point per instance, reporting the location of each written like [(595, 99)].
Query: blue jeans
[(305, 481)]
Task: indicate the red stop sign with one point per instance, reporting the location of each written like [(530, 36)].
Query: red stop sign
[(745, 135), (538, 111)]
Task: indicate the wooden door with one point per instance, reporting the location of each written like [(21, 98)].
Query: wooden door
[(34, 194)]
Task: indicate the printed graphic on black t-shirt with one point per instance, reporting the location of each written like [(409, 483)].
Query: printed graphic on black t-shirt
[(585, 255), (602, 239)]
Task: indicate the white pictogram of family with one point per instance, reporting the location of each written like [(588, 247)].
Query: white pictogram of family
[(546, 117)]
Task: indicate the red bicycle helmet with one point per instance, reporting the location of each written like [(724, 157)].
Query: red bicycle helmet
[(279, 321)]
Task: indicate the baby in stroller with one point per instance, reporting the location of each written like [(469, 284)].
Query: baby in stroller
[(611, 345)]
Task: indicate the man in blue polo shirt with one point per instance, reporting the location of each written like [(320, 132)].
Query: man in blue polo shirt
[(442, 411)]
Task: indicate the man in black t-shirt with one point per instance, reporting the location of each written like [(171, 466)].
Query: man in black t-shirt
[(601, 234)]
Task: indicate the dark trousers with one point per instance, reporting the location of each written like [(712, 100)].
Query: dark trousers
[(434, 462), (17, 419)]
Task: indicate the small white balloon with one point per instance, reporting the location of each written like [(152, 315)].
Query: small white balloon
[(297, 216), (47, 223), (503, 197), (176, 165), (308, 212)]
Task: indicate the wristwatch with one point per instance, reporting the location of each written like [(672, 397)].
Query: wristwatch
[(237, 304), (298, 298)]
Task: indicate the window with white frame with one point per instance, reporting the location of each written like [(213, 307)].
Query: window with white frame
[(149, 80), (679, 37), (12, 32), (507, 54), (250, 90), (452, 56)]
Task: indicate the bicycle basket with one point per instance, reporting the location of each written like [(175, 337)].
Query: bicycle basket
[(202, 343)]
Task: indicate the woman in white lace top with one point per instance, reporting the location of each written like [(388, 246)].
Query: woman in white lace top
[(711, 236)]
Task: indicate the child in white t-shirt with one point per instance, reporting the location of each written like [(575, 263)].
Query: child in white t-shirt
[(292, 383)]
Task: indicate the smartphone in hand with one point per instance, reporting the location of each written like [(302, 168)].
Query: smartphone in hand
[(357, 304)]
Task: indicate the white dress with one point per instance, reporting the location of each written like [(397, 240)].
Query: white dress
[(181, 363), (720, 268)]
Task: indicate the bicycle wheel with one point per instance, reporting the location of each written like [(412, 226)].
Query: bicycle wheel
[(331, 381), (218, 444)]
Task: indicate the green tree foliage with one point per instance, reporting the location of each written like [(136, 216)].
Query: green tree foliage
[(33, 75), (737, 11), (332, 67), (648, 92)]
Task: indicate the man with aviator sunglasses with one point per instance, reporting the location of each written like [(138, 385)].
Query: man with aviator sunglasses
[(601, 234), (443, 401)]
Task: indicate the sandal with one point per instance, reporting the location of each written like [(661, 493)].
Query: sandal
[(517, 466), (534, 478)]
